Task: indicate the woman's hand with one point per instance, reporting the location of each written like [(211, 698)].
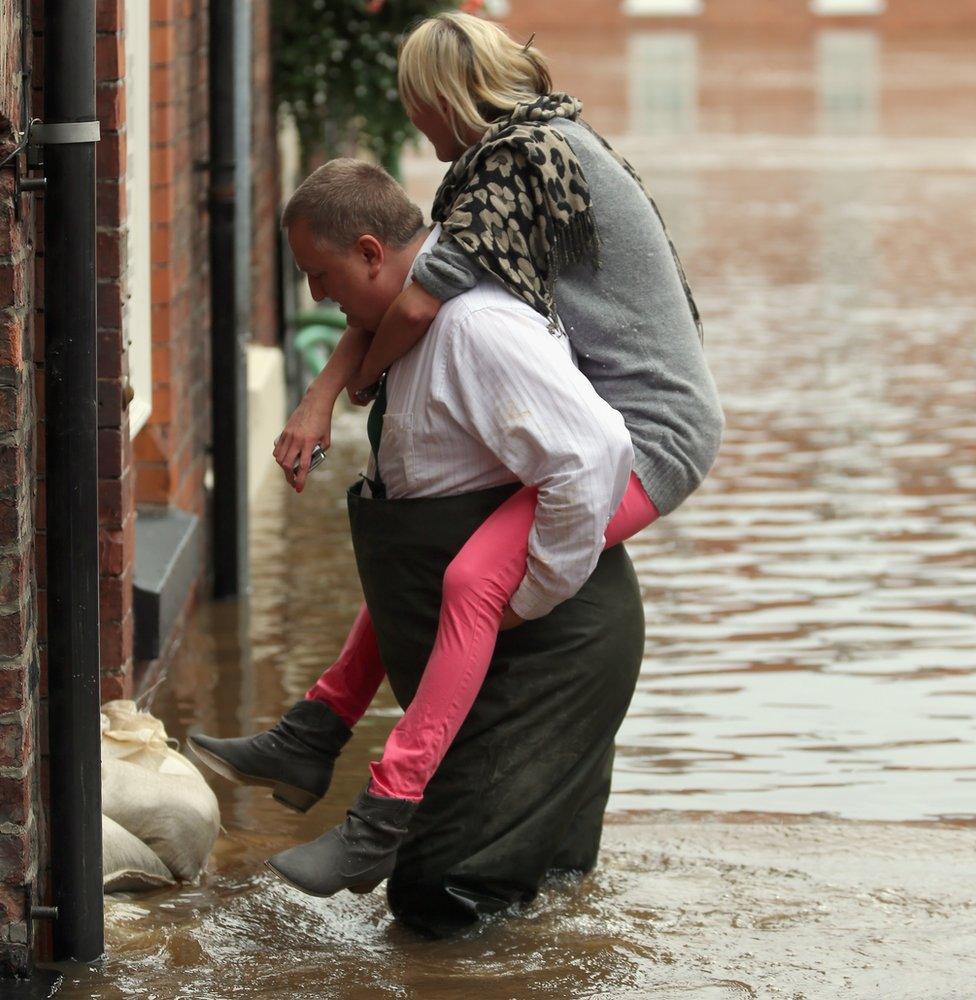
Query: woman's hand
[(309, 425), (404, 323)]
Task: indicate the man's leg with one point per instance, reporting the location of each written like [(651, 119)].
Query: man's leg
[(350, 684)]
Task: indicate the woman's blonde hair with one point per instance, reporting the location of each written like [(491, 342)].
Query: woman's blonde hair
[(471, 63)]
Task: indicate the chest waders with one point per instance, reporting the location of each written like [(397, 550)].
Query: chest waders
[(523, 787)]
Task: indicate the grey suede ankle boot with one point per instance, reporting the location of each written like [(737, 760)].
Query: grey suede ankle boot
[(357, 855), (295, 757)]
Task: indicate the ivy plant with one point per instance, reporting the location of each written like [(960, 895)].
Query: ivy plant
[(335, 68)]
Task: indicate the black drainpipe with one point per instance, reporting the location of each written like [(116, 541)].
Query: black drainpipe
[(69, 134), (229, 372)]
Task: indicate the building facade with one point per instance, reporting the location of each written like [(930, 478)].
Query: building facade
[(153, 373)]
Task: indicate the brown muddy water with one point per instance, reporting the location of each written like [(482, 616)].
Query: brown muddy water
[(794, 805)]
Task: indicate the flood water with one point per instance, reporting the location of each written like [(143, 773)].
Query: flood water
[(795, 791)]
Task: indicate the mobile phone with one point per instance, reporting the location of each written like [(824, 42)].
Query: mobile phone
[(317, 458)]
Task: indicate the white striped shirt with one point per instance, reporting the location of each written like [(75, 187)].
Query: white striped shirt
[(490, 396)]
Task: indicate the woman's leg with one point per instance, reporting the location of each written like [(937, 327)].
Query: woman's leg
[(478, 585), (350, 684)]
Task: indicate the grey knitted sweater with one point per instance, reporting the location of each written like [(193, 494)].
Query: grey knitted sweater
[(631, 326)]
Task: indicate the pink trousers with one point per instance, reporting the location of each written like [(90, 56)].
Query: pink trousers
[(478, 585)]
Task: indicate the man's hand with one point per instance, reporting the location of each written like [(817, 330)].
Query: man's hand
[(309, 425), (509, 619)]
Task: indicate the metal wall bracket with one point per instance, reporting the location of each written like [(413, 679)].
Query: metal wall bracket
[(60, 133)]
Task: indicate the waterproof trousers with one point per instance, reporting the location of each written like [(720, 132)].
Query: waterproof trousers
[(523, 787)]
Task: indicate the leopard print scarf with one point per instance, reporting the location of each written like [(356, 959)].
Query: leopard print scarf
[(518, 202)]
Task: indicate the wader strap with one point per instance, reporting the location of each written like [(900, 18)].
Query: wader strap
[(374, 431)]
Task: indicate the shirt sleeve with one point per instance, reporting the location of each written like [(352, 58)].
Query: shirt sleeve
[(516, 390), (446, 270)]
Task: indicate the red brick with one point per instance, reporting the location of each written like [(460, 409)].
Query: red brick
[(40, 558), (108, 299), (40, 506), (39, 279), (161, 44), (115, 500), (109, 353), (15, 745), (40, 449), (11, 466), (111, 550), (12, 687), (13, 633), (12, 405), (42, 667), (109, 452), (111, 645), (12, 284), (110, 155), (162, 286), (14, 576), (161, 164), (11, 517), (11, 231), (110, 203), (13, 900), (152, 483), (38, 329), (110, 105), (109, 56), (14, 800), (15, 854), (110, 15), (109, 402), (115, 596), (108, 251), (11, 338), (162, 123), (116, 685), (151, 444), (160, 84)]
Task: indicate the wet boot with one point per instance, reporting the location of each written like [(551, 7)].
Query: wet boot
[(357, 855), (295, 757)]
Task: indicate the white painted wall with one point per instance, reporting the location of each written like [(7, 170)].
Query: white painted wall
[(137, 300)]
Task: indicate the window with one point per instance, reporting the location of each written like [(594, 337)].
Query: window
[(662, 8), (137, 305), (663, 78), (847, 81), (847, 6)]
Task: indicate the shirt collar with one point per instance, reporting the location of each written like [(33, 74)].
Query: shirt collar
[(425, 248)]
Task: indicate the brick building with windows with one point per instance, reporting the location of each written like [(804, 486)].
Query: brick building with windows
[(154, 387)]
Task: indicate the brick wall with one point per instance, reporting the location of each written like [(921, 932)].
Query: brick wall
[(170, 451), (116, 506), (19, 680), (264, 182), (757, 16)]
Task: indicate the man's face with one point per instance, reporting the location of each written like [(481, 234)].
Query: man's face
[(355, 278)]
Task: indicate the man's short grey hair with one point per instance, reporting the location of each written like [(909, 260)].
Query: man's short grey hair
[(345, 199)]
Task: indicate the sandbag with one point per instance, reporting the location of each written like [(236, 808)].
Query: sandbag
[(129, 865), (154, 792)]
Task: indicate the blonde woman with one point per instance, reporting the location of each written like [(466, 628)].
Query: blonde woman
[(539, 202)]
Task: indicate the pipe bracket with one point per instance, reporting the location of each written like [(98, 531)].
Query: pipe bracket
[(61, 133)]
